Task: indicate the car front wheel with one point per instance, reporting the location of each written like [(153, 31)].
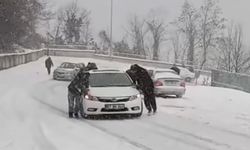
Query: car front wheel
[(179, 96)]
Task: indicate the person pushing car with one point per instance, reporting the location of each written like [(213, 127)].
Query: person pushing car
[(76, 89), (145, 83)]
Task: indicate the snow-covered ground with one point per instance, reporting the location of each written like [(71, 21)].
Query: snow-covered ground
[(33, 116)]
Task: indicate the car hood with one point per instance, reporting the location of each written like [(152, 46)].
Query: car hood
[(113, 91), (64, 70)]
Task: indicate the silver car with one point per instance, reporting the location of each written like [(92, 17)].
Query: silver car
[(153, 72), (66, 71), (169, 84), (187, 75)]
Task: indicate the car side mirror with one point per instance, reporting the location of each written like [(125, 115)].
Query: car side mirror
[(134, 85)]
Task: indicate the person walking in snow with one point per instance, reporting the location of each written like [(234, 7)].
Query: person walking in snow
[(145, 83), (76, 89), (49, 64)]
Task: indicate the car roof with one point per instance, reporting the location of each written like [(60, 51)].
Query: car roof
[(67, 63), (166, 75), (165, 70), (105, 71)]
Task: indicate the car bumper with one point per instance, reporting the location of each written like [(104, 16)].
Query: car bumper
[(167, 90), (65, 77), (98, 108)]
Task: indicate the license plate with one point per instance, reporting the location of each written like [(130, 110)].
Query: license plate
[(171, 83), (114, 106)]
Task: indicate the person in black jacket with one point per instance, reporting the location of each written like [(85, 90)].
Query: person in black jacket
[(132, 75), (176, 69), (76, 89), (48, 64), (145, 83), (91, 66)]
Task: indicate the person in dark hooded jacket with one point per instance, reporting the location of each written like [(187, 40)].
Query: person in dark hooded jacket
[(176, 69), (145, 83), (132, 75), (76, 89), (48, 64), (91, 66)]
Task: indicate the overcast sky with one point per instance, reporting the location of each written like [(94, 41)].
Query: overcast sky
[(238, 10)]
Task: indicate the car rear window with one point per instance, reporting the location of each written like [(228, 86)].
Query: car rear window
[(68, 65), (109, 79)]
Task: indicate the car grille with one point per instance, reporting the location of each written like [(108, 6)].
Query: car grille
[(110, 100), (59, 73), (114, 110)]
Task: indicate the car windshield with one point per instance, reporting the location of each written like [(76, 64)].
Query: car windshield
[(68, 65), (109, 79)]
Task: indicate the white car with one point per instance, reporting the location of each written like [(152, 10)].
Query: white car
[(111, 92), (169, 84), (187, 75)]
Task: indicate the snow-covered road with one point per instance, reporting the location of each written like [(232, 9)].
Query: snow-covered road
[(33, 116)]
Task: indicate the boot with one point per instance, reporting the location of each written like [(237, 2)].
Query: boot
[(70, 115), (76, 115)]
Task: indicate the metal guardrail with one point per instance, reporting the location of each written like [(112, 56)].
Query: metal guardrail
[(231, 80), (11, 60), (124, 59)]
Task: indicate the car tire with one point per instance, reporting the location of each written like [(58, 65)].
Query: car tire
[(188, 79), (84, 115), (179, 96), (139, 114)]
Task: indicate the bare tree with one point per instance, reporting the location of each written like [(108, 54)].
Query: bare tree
[(73, 21), (179, 47), (105, 39), (187, 24), (137, 32), (121, 46), (18, 20), (56, 35), (86, 32), (233, 57), (157, 28), (211, 24)]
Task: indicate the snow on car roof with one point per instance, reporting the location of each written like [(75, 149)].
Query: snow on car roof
[(106, 71), (166, 75)]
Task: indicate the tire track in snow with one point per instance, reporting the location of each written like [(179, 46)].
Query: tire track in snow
[(54, 108), (117, 135), (188, 134), (34, 124), (194, 137), (124, 138)]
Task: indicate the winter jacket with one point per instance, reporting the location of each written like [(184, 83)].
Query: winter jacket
[(91, 66), (79, 84), (132, 75), (144, 80), (176, 69), (48, 63)]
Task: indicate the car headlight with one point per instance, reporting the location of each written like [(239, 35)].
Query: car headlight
[(134, 97), (90, 97)]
